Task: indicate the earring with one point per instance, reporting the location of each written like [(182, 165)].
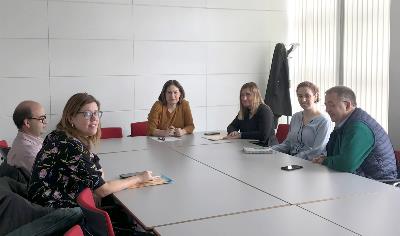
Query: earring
[(72, 125)]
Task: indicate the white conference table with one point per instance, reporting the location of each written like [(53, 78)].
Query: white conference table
[(290, 220), (217, 187), (368, 214), (197, 191), (313, 182), (144, 142)]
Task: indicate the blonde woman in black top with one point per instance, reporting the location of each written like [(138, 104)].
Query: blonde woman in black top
[(255, 118)]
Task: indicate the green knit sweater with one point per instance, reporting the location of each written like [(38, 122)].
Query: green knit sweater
[(351, 147)]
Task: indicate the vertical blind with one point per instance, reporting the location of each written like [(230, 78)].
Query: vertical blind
[(366, 37), (342, 43)]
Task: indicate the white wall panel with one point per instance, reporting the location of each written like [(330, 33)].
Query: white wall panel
[(223, 90), (123, 51), (113, 93), (182, 3), (23, 19), (89, 20), (238, 57), (169, 23), (121, 119), (91, 57), (24, 57), (235, 25), (194, 86), (248, 4), (141, 115), (15, 90), (8, 129), (170, 58), (218, 118), (199, 115), (52, 122)]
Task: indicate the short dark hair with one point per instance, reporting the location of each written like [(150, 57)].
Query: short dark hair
[(162, 98), (307, 84), (22, 111), (345, 93)]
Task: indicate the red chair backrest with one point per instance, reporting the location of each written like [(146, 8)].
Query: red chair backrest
[(3, 143), (111, 132), (139, 129), (96, 221), (74, 231), (282, 132)]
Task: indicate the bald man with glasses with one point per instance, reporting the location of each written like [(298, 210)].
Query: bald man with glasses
[(30, 119)]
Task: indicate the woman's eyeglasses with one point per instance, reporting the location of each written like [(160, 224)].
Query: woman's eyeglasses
[(88, 114), (41, 118)]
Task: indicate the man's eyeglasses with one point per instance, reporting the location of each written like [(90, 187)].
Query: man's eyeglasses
[(41, 118), (88, 114)]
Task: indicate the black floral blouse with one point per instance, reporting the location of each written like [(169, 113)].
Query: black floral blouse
[(62, 169)]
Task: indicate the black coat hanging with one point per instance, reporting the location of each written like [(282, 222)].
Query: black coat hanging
[(277, 95)]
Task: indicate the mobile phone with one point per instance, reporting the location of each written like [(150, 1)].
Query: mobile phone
[(291, 167), (127, 175), (212, 133)]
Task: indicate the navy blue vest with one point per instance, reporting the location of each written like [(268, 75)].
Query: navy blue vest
[(381, 162)]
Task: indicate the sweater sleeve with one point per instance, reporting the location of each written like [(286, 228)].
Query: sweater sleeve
[(188, 119), (320, 141), (154, 118), (355, 145), (233, 126), (264, 120)]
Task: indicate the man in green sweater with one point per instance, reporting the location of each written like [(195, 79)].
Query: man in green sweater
[(358, 143)]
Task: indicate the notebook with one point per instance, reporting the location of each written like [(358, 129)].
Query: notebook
[(215, 137), (258, 150), (157, 180)]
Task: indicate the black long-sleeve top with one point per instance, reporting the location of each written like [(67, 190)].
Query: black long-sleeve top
[(260, 126)]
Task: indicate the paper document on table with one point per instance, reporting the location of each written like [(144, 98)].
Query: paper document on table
[(165, 139), (157, 180), (258, 150), (214, 137)]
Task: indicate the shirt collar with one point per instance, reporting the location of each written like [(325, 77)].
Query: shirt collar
[(339, 125)]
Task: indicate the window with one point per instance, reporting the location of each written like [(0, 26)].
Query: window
[(343, 42)]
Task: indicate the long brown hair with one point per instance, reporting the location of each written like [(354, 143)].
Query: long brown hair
[(256, 101), (71, 109)]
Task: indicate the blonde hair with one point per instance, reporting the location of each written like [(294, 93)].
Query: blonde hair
[(257, 101), (71, 109)]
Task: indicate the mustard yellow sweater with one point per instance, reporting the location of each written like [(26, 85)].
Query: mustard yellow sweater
[(160, 118)]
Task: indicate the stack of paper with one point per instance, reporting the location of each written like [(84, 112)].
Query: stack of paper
[(165, 139), (215, 137), (258, 150)]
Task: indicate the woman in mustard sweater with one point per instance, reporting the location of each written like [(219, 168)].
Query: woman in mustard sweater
[(171, 114)]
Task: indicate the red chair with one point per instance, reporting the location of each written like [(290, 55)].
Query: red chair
[(111, 132), (96, 221), (139, 129), (3, 144), (282, 132), (74, 231)]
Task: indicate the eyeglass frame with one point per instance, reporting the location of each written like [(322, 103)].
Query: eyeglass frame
[(41, 118), (92, 114)]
